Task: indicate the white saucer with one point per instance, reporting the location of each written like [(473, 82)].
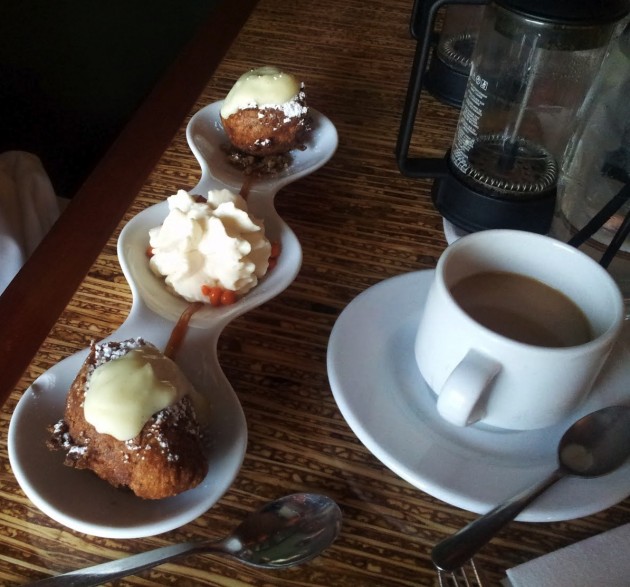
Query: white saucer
[(379, 390), (452, 232)]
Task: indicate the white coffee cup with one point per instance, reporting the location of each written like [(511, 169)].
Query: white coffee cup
[(482, 373)]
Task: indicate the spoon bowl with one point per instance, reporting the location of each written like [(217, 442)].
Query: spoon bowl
[(594, 445), (283, 533)]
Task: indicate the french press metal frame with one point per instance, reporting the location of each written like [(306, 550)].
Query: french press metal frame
[(422, 20)]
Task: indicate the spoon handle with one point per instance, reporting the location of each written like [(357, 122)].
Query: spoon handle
[(456, 550), (103, 573)]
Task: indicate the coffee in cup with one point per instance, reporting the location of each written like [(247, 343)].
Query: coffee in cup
[(522, 308), (516, 328)]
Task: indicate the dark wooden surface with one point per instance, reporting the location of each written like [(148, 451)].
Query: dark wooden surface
[(359, 221)]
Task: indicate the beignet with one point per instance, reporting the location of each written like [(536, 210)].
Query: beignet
[(265, 113), (164, 459)]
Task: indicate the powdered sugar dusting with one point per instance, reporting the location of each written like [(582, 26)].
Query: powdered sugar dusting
[(293, 108)]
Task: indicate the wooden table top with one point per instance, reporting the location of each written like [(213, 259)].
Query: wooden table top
[(359, 221)]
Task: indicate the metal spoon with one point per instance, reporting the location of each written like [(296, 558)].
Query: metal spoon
[(283, 533), (595, 445)]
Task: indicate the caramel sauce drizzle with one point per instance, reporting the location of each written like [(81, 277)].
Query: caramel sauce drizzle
[(180, 329)]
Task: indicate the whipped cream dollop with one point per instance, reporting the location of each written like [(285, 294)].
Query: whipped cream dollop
[(265, 87), (122, 394), (213, 243)]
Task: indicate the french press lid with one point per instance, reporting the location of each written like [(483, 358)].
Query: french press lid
[(561, 25), (569, 11)]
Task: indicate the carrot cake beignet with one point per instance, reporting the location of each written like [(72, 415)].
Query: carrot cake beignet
[(265, 112), (132, 417)]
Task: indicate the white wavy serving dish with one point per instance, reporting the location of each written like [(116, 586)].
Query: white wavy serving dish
[(80, 500)]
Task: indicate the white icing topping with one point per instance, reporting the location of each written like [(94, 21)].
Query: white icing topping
[(123, 393), (213, 243), (265, 87)]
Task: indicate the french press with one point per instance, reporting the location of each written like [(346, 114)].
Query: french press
[(531, 68)]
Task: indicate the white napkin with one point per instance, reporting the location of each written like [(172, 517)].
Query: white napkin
[(28, 208), (602, 560)]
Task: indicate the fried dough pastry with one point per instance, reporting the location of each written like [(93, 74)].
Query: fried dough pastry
[(264, 132), (164, 459), (265, 113)]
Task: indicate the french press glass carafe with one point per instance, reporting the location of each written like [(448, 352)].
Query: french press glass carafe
[(532, 66)]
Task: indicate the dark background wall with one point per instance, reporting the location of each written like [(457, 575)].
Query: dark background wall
[(72, 72)]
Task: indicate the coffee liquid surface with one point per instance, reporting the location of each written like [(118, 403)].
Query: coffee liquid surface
[(523, 309)]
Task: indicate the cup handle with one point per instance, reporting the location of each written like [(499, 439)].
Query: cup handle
[(458, 400)]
